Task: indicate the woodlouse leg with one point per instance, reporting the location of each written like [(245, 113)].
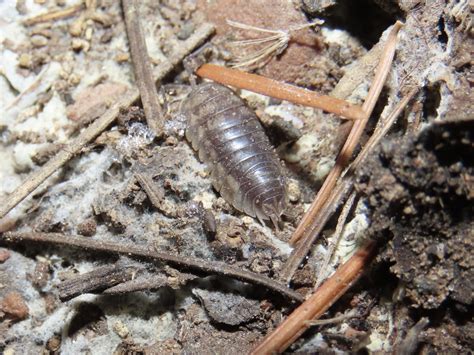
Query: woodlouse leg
[(196, 59), (166, 90)]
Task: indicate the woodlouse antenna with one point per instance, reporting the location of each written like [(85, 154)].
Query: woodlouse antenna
[(273, 44)]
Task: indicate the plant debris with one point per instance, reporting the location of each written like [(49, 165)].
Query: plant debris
[(113, 239)]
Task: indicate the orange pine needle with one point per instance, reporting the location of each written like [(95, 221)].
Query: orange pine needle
[(279, 90), (347, 150), (329, 292)]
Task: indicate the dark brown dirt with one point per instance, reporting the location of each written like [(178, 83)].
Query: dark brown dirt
[(421, 192)]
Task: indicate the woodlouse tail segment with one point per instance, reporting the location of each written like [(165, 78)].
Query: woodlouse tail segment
[(275, 221), (273, 209)]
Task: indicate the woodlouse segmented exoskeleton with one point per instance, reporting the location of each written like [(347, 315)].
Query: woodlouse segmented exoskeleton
[(229, 138)]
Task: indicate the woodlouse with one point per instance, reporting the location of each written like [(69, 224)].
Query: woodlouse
[(229, 138)]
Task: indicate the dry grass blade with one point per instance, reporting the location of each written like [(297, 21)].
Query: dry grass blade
[(341, 222), (98, 126), (305, 227), (278, 90), (211, 267), (382, 129), (341, 318), (142, 68), (54, 15), (330, 291)]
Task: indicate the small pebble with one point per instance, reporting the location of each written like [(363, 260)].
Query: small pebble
[(76, 27), (121, 329), (53, 343), (4, 255), (14, 306), (25, 60), (80, 44), (87, 228), (39, 41), (88, 33), (294, 192), (247, 220), (122, 57), (41, 274)]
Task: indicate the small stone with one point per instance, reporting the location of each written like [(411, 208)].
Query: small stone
[(294, 192), (87, 228), (107, 36), (171, 141), (39, 41), (41, 274), (76, 27), (74, 79), (14, 306), (80, 44), (25, 60), (4, 255), (122, 57), (247, 220), (53, 343), (121, 329), (88, 33), (9, 351)]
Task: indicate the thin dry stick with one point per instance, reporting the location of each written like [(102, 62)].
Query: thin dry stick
[(341, 222), (54, 15), (142, 68), (305, 227), (341, 318), (91, 132), (340, 191), (101, 278), (212, 267), (29, 89), (276, 89), (330, 291), (142, 283), (383, 128)]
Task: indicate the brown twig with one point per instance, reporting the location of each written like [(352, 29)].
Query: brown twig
[(211, 267), (156, 195), (96, 280), (329, 292), (410, 343), (306, 225), (279, 90), (91, 132), (142, 67), (337, 197), (147, 282), (54, 15), (341, 190), (338, 319)]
